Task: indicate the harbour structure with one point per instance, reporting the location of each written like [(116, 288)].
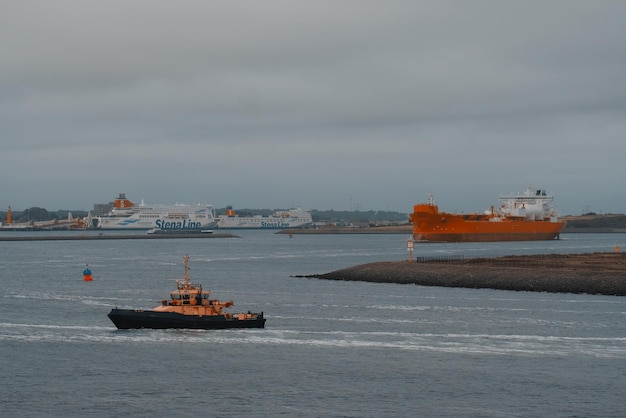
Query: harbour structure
[(54, 224)]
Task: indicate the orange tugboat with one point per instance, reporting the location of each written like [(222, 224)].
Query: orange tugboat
[(527, 217), (189, 307)]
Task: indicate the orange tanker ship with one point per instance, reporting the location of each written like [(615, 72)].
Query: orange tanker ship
[(527, 217)]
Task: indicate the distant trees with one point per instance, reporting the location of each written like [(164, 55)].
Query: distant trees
[(353, 216), (35, 214), (370, 216)]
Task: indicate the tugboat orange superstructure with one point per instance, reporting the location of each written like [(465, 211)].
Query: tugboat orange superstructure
[(527, 217), (189, 307)]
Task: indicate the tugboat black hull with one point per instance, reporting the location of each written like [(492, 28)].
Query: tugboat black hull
[(134, 319)]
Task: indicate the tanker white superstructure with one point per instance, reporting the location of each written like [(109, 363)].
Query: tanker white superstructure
[(533, 205), (293, 218), (126, 215)]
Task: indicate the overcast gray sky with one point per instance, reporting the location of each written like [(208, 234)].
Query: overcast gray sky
[(324, 104)]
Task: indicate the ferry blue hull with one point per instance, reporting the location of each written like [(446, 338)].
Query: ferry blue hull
[(134, 319)]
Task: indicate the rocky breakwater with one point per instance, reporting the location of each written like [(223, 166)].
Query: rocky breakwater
[(593, 273)]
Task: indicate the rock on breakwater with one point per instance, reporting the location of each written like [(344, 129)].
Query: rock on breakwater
[(593, 273)]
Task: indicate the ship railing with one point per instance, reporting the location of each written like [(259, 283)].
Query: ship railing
[(492, 262), (518, 262), (440, 259)]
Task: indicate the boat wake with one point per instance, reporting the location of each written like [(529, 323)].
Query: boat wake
[(86, 300), (459, 343)]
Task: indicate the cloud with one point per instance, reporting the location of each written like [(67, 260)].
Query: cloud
[(264, 104)]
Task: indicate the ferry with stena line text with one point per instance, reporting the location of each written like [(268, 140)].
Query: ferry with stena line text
[(284, 219), (126, 215)]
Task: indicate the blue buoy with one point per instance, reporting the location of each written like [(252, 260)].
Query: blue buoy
[(87, 275)]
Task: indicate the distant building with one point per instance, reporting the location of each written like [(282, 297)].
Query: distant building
[(101, 209)]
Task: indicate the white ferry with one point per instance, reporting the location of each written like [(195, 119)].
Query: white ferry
[(292, 218), (126, 215)]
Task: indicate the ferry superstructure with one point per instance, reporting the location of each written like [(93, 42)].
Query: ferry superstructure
[(526, 217), (292, 218), (126, 215)]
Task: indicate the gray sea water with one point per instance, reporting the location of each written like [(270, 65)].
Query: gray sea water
[(329, 348)]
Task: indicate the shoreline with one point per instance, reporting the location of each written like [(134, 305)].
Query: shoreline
[(348, 230), (408, 230), (590, 273)]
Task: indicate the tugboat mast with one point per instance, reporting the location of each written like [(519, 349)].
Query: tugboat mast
[(186, 261)]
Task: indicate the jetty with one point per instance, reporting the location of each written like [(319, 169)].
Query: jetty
[(102, 236), (339, 230), (592, 273)]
